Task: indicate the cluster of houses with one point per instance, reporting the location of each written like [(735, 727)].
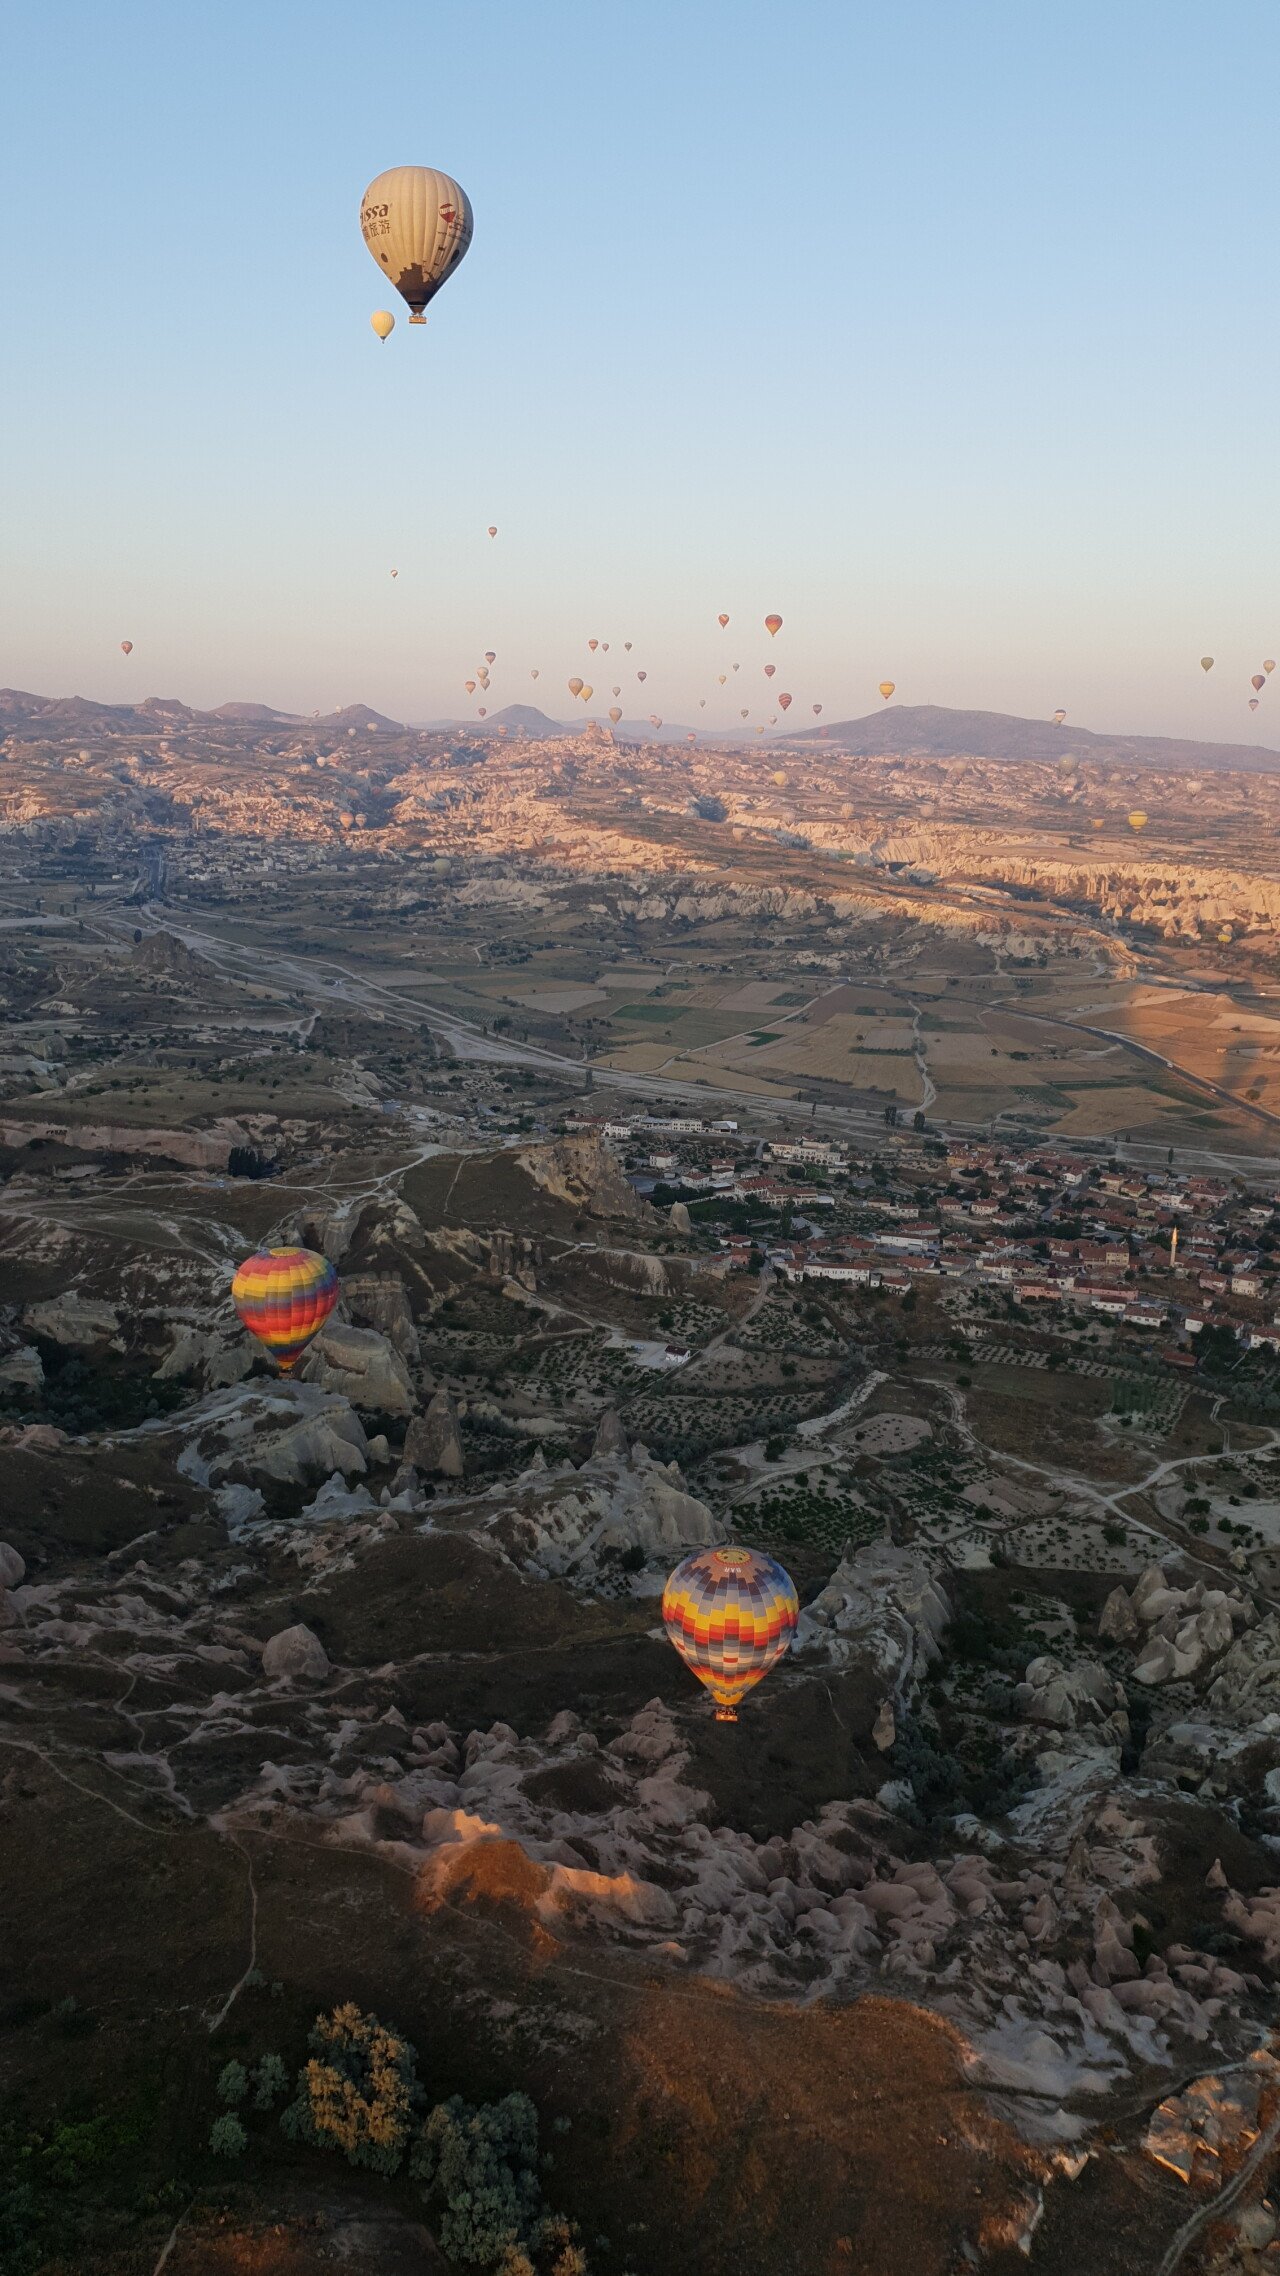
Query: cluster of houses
[(1156, 1249)]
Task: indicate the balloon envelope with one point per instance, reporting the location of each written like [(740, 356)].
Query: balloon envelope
[(614, 713), (722, 621), (126, 647), (493, 529), (284, 1296), (575, 687), (1268, 665), (887, 688), (1257, 681), (1058, 718), (417, 224), (383, 322), (1206, 663), (491, 655), (642, 675), (731, 1614), (773, 626), (593, 645), (784, 703), (769, 671), (1137, 820), (1253, 703)]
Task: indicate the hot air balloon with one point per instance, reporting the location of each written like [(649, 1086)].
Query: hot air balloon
[(533, 675), (737, 667), (1258, 681), (1206, 663), (729, 1614), (417, 224), (702, 703), (886, 689), (1226, 935), (817, 710), (491, 655), (587, 694), (1268, 665), (126, 648), (769, 671), (722, 621), (470, 686), (593, 645), (604, 647), (722, 677), (742, 715), (1058, 718), (784, 703), (627, 645), (614, 713), (383, 323), (1253, 703), (483, 711), (781, 781), (773, 626), (283, 1297), (654, 720), (395, 572), (1097, 822), (1137, 820), (642, 675), (493, 529), (575, 687), (691, 737), (615, 691)]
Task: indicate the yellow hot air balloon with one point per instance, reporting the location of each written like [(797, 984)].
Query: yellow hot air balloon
[(383, 323), (575, 687), (781, 781), (1206, 663), (1137, 820), (587, 694), (417, 224), (126, 648), (773, 626), (1226, 935), (614, 713), (1097, 822), (1268, 665), (722, 621), (887, 688)]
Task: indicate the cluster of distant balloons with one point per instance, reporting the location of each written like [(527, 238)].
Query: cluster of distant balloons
[(1257, 682), (730, 1613)]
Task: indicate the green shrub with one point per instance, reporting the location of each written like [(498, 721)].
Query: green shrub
[(233, 2084), (479, 2169), (227, 2137), (359, 2091), (270, 2081)]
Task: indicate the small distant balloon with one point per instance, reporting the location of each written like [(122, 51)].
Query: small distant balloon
[(642, 675), (470, 686), (383, 323), (575, 687), (533, 675), (627, 645), (784, 703), (702, 703), (743, 715), (737, 667), (654, 720), (1257, 681), (1058, 718), (587, 694), (1268, 665), (593, 645), (773, 626), (484, 711), (722, 621), (1253, 703), (769, 671), (1137, 820), (126, 648), (614, 713), (395, 572), (491, 655), (615, 691), (1206, 663), (817, 711), (604, 647), (493, 529), (887, 688), (722, 677)]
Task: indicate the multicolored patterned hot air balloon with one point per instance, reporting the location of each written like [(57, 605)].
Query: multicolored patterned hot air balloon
[(284, 1296), (731, 1613)]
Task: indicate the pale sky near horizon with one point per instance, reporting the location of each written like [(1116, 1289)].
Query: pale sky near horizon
[(946, 330)]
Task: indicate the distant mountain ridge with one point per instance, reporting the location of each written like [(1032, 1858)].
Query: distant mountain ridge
[(935, 731), (18, 707)]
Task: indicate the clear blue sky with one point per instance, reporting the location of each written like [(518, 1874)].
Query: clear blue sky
[(947, 328)]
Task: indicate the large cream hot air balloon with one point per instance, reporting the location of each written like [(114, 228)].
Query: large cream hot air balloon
[(417, 225), (887, 688), (383, 323)]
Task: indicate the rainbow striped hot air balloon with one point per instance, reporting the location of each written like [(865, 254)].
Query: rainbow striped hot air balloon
[(284, 1296), (731, 1614)]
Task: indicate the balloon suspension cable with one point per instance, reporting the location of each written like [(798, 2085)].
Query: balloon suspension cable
[(726, 1714)]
